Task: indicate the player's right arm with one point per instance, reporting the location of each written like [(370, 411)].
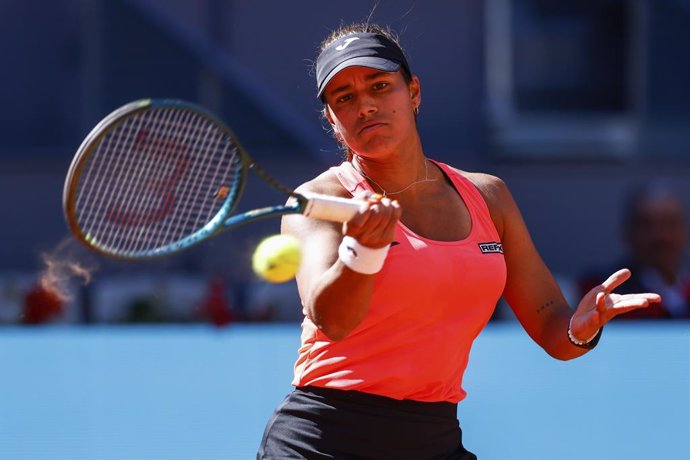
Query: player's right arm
[(335, 297)]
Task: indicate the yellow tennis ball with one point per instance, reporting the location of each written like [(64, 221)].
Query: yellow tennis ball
[(277, 258)]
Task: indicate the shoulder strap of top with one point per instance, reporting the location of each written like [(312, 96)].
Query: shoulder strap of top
[(470, 193), (351, 179), (466, 188)]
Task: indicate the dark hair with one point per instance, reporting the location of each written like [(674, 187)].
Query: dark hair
[(360, 27)]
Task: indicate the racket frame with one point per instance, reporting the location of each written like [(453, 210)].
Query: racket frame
[(317, 206)]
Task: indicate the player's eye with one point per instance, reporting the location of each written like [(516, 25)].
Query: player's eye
[(380, 85), (343, 98)]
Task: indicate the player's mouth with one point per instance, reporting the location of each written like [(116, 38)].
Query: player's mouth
[(371, 126)]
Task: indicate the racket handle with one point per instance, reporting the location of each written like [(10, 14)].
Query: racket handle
[(334, 209)]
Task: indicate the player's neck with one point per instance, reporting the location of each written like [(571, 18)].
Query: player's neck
[(397, 175)]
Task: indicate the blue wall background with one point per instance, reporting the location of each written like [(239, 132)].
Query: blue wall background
[(251, 63), (200, 393)]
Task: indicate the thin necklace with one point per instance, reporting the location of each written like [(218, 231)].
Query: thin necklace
[(385, 193)]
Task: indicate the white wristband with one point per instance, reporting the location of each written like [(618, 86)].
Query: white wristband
[(361, 259)]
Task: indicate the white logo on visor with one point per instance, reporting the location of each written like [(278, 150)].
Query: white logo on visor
[(346, 44)]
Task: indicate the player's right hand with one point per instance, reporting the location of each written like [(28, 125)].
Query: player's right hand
[(374, 225)]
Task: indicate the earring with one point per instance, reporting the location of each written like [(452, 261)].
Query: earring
[(416, 110)]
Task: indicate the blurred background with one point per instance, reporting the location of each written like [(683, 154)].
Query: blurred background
[(575, 104)]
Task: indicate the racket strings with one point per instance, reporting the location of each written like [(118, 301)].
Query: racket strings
[(128, 206), (92, 179), (213, 169), (155, 178), (180, 161), (131, 207)]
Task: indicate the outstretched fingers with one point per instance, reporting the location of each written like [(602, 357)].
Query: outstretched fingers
[(610, 304), (615, 280), (630, 301)]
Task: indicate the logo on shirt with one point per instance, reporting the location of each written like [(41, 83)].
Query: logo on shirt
[(492, 247)]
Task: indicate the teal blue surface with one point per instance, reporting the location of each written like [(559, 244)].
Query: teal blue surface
[(204, 393)]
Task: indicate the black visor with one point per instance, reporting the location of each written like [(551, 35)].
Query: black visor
[(358, 49)]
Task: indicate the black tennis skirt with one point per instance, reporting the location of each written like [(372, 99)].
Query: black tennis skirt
[(321, 423)]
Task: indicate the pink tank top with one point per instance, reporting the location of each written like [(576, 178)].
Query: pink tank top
[(430, 301)]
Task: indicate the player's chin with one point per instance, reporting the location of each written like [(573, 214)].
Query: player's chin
[(375, 145)]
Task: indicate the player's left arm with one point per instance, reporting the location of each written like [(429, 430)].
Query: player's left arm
[(533, 293)]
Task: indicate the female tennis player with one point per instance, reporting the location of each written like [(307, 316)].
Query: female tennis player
[(394, 298)]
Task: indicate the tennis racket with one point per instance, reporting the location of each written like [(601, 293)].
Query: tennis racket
[(156, 177)]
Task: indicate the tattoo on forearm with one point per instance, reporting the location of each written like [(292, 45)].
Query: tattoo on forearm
[(543, 307)]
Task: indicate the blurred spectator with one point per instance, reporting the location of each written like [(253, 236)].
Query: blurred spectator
[(42, 304), (216, 306), (656, 234)]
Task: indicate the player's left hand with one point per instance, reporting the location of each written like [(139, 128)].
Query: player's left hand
[(601, 304)]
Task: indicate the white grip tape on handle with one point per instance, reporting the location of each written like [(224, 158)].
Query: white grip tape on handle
[(331, 208), (362, 259)]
